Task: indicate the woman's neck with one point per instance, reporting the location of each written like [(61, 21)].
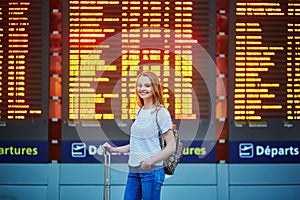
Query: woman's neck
[(148, 105)]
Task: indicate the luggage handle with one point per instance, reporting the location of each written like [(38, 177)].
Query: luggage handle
[(106, 176)]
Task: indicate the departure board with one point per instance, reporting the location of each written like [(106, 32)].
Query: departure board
[(23, 69), (108, 43), (264, 70)]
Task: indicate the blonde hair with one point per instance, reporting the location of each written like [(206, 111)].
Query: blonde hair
[(156, 87)]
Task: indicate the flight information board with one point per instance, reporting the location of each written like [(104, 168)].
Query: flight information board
[(23, 70), (110, 42), (264, 70), (24, 82)]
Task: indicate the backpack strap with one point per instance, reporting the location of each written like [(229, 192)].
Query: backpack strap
[(160, 133), (138, 111), (159, 129), (160, 137)]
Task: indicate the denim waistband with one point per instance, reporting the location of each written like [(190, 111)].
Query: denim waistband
[(138, 169)]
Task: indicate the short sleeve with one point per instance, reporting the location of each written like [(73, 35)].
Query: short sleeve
[(164, 120)]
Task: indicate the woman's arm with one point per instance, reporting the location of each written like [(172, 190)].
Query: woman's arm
[(121, 149), (168, 150)]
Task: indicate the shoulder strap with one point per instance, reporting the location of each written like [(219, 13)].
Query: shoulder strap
[(138, 112), (160, 136), (159, 129)]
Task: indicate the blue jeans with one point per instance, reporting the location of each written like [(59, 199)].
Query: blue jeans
[(144, 185)]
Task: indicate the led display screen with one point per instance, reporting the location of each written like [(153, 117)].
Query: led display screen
[(23, 70), (264, 70), (107, 43)]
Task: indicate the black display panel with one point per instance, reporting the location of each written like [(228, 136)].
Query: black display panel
[(105, 46), (264, 70), (24, 70)]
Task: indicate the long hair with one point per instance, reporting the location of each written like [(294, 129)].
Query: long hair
[(156, 89)]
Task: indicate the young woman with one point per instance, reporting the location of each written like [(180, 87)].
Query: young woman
[(146, 173)]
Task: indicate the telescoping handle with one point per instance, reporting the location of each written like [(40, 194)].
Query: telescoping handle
[(106, 176)]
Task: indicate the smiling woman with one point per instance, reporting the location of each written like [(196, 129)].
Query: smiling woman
[(146, 173), (149, 90), (144, 88)]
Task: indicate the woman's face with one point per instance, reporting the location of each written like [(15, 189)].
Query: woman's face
[(144, 88)]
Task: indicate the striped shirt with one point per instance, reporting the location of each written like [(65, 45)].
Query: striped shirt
[(144, 141)]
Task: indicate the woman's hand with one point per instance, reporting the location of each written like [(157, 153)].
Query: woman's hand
[(107, 147), (146, 164), (121, 149)]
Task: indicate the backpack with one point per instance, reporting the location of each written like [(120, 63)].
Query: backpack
[(172, 161)]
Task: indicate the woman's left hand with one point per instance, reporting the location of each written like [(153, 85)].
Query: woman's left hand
[(146, 164)]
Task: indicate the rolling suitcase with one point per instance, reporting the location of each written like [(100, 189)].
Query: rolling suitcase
[(106, 176)]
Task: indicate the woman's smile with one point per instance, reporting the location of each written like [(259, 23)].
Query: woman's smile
[(144, 87)]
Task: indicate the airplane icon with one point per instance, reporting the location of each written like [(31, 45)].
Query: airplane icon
[(78, 150), (246, 150)]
